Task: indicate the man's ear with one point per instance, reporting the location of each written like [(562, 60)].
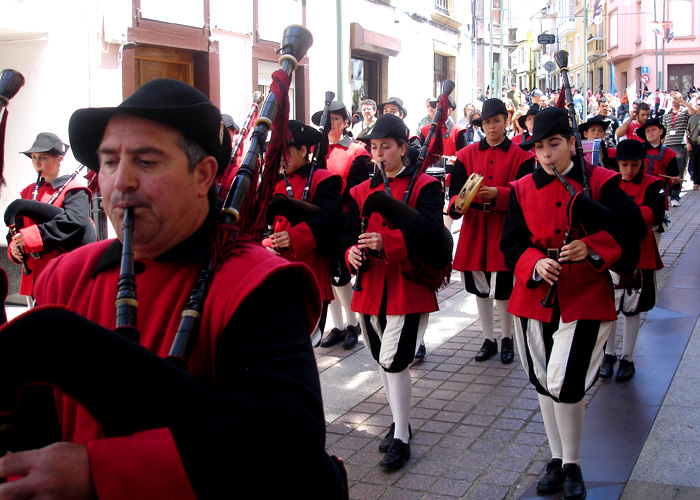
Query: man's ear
[(205, 174)]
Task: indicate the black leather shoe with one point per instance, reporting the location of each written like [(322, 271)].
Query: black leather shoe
[(553, 478), (385, 443), (607, 366), (336, 336), (507, 353), (573, 488), (397, 456), (488, 349), (420, 353), (625, 371), (352, 336)]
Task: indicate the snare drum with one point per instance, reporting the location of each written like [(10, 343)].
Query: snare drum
[(593, 150), (439, 173)]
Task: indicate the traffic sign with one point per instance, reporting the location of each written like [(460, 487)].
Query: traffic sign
[(645, 70), (645, 78), (549, 66), (546, 39)]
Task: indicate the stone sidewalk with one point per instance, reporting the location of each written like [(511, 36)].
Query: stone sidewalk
[(478, 432)]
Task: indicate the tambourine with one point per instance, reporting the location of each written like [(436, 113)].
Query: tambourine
[(468, 192)]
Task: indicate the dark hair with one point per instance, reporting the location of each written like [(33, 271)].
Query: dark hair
[(194, 152), (370, 102), (642, 106)]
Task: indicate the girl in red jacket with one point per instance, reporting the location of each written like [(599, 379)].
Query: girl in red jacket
[(394, 308), (561, 346)]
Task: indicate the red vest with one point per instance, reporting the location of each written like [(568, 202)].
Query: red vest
[(478, 248), (340, 158), (583, 292), (449, 141), (384, 275), (304, 244), (150, 458), (32, 236), (649, 257)]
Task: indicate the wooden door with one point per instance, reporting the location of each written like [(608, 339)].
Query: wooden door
[(161, 62)]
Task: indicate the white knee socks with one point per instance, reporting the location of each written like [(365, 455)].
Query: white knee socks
[(485, 308), (506, 319), (398, 388), (629, 339), (570, 418), (550, 425), (344, 293), (610, 344)]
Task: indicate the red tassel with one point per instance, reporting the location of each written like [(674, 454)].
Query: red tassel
[(561, 102)]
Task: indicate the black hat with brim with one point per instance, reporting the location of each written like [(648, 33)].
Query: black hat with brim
[(491, 107), (46, 142), (642, 131), (303, 135), (166, 101), (336, 107), (396, 101), (630, 149), (596, 120), (387, 125), (548, 122), (532, 111)]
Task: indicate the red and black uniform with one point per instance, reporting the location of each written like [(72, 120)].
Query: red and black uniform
[(661, 160), (351, 161), (479, 239), (312, 241), (62, 233), (453, 139), (386, 290), (263, 368), (644, 189), (537, 220)]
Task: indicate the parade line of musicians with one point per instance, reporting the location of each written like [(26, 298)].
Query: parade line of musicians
[(555, 244)]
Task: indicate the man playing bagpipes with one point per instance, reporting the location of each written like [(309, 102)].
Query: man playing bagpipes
[(392, 302), (478, 256), (38, 238), (307, 231), (260, 430), (557, 234)]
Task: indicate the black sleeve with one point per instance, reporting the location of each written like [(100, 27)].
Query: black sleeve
[(421, 230), (266, 371), (66, 229), (627, 228), (458, 177), (516, 237), (327, 224), (462, 140), (672, 168), (359, 172), (351, 229), (525, 168), (656, 201)]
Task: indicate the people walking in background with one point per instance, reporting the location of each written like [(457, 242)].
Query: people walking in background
[(675, 121), (368, 108)]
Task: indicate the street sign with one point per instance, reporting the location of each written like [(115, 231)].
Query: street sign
[(549, 66), (645, 70), (645, 78), (546, 39)]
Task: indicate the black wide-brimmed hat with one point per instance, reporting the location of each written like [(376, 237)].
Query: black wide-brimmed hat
[(170, 102), (596, 120), (642, 131), (303, 135), (450, 102), (548, 122), (630, 149), (396, 101), (46, 142), (387, 125), (336, 107), (532, 111), (491, 107), (229, 123)]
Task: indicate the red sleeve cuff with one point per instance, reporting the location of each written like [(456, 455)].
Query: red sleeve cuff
[(394, 246), (142, 466), (302, 239), (502, 199), (605, 246), (32, 239)]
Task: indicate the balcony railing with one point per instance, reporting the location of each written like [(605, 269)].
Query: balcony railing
[(596, 48), (444, 6)]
